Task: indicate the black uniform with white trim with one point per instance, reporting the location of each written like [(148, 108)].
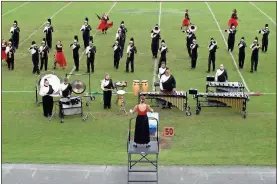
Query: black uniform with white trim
[(90, 52), (48, 30), (43, 52), (231, 37), (107, 86), (75, 48), (47, 100), (265, 32), (35, 57), (15, 34), (241, 46), (194, 53), (86, 33), (255, 55), (131, 51), (163, 49), (117, 54), (221, 75), (212, 53), (155, 35)]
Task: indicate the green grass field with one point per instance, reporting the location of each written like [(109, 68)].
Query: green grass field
[(215, 137)]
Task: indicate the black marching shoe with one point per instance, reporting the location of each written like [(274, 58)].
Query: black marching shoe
[(251, 71)]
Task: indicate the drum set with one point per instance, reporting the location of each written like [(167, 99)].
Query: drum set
[(72, 105)]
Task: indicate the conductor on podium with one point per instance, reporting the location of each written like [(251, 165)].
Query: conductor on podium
[(142, 134)]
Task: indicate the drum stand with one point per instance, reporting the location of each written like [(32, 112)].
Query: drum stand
[(89, 113), (55, 103), (122, 107)]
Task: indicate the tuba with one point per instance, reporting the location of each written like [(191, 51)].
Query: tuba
[(192, 27)]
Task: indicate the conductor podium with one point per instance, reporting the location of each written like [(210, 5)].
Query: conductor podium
[(141, 155)]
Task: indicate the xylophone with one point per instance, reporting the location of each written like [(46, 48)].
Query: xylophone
[(225, 86), (179, 99), (236, 100)]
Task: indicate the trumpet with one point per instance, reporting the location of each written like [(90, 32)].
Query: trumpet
[(192, 27)]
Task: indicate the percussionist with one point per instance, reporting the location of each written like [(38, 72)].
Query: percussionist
[(66, 89), (107, 87), (47, 101), (221, 74), (168, 84)]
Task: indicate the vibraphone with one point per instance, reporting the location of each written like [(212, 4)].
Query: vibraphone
[(225, 87), (236, 100), (178, 99)]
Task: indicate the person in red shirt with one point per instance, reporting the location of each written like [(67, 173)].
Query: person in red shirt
[(186, 20), (234, 19), (142, 134)]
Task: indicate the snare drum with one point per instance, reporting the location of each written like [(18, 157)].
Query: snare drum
[(120, 98)]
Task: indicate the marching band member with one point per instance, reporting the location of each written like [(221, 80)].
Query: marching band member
[(168, 84), (59, 57), (66, 89), (162, 70), (75, 46), (186, 20), (107, 87), (123, 33), (163, 49), (155, 35), (47, 100), (190, 37), (142, 134), (117, 51), (194, 53), (265, 32), (48, 33), (121, 40), (231, 37), (86, 32), (105, 23), (3, 51), (43, 52), (255, 55), (35, 57), (242, 46), (212, 52), (90, 52), (234, 19), (221, 74), (131, 51), (10, 50), (15, 34)]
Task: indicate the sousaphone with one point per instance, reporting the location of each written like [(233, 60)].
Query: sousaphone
[(78, 87), (192, 27)]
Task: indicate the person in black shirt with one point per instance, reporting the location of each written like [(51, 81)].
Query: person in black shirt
[(212, 51), (75, 48), (242, 46), (66, 89), (35, 57), (221, 74), (43, 52), (194, 53), (47, 100), (255, 55), (123, 33), (117, 52), (168, 85), (107, 87), (231, 37), (10, 50), (265, 32), (155, 35), (90, 52), (15, 35), (190, 37), (48, 33), (131, 51), (86, 32), (163, 49)]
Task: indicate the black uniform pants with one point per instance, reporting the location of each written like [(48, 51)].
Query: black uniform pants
[(264, 45), (189, 49), (241, 60), (86, 41), (10, 63), (76, 62), (49, 42), (211, 60), (193, 61), (231, 43), (15, 42), (47, 104), (107, 95), (44, 61), (128, 61), (35, 68), (90, 64), (254, 63), (116, 61), (122, 49), (154, 48)]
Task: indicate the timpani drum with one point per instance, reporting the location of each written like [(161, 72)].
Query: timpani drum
[(136, 87), (144, 85), (120, 99)]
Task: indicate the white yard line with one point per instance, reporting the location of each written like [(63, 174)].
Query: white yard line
[(44, 24), (73, 69), (231, 54), (263, 13), (15, 9), (156, 60)]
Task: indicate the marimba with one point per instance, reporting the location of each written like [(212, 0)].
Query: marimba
[(225, 87), (236, 100), (178, 99)]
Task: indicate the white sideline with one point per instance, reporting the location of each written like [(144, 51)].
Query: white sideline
[(156, 60), (44, 24), (12, 10), (73, 69), (235, 63), (263, 13)]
